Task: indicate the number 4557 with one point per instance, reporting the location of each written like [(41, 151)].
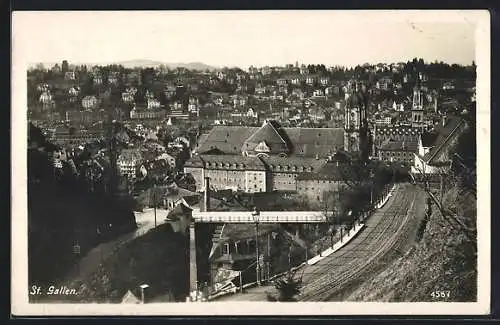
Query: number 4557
[(440, 294)]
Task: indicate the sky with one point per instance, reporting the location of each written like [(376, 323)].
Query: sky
[(244, 38)]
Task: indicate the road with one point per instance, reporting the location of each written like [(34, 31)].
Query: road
[(88, 264), (388, 233)]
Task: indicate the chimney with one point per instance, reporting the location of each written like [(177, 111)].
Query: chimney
[(144, 290), (206, 194)]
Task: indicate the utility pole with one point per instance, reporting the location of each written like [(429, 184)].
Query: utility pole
[(154, 202), (441, 188), (268, 267)]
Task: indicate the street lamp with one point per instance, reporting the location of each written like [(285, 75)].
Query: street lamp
[(255, 216)]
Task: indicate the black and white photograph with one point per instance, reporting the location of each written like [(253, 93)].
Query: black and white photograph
[(251, 162)]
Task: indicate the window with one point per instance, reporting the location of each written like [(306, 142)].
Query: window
[(225, 249)]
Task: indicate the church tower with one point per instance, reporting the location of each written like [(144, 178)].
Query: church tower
[(355, 121), (417, 110)]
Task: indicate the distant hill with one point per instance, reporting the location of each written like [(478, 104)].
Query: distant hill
[(143, 64)]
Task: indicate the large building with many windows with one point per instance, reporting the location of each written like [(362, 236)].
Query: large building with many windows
[(261, 159)]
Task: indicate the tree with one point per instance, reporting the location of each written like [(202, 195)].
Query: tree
[(288, 286)]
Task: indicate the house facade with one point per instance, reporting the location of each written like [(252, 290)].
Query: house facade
[(128, 161), (90, 102)]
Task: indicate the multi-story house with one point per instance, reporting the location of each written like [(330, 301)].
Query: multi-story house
[(296, 81), (70, 75), (282, 82), (45, 97), (324, 81), (113, 77), (90, 102), (170, 91), (74, 91), (398, 151), (153, 103), (97, 78), (177, 106), (318, 93), (128, 161), (266, 70), (128, 97), (239, 101), (314, 186), (221, 75), (194, 105), (310, 80)]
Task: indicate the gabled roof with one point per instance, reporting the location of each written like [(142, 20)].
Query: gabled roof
[(307, 142), (269, 135), (228, 139)]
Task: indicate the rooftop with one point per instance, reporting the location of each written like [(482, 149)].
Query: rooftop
[(396, 145), (307, 142)]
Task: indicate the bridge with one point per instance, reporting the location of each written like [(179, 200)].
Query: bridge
[(206, 216), (263, 216)]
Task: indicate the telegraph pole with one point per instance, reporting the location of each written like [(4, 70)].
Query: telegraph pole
[(154, 202)]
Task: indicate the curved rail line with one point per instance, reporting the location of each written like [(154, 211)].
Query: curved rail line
[(383, 237)]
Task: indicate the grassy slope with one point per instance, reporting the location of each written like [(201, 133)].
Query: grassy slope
[(442, 260), (159, 258)]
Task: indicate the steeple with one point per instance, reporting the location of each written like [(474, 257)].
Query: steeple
[(417, 110)]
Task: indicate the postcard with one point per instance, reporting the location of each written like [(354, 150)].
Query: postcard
[(251, 162)]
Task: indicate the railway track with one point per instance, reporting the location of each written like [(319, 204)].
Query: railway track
[(383, 239)]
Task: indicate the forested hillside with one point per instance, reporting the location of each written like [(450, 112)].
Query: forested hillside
[(63, 212)]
